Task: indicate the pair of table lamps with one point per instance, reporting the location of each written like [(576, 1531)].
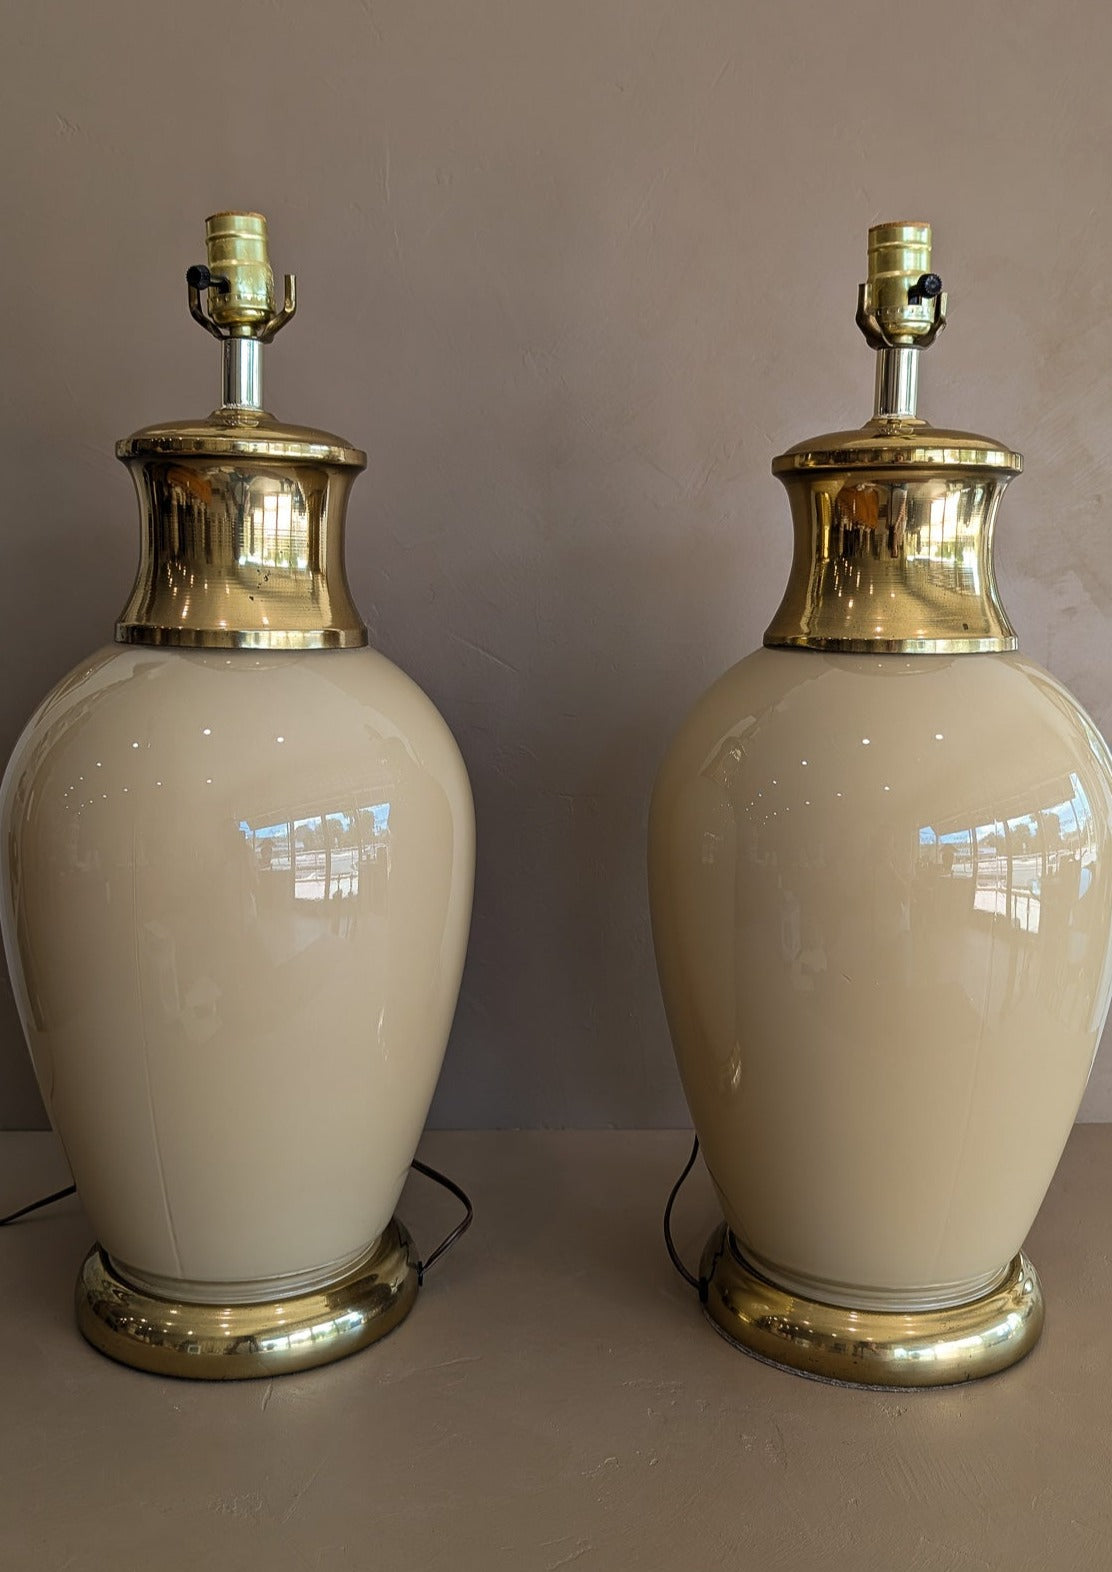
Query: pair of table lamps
[(238, 851)]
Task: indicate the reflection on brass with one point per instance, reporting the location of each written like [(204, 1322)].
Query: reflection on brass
[(871, 1347), (242, 518), (230, 1342), (894, 522), (893, 543), (242, 538)]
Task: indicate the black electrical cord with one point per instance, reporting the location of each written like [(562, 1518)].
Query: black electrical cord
[(697, 1283), (461, 1227), (46, 1200)]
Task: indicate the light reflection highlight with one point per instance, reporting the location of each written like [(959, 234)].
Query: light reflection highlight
[(328, 857)]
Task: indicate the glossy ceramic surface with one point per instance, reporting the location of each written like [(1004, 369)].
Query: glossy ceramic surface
[(882, 895), (240, 888)]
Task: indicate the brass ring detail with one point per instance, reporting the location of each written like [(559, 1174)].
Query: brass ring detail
[(234, 1342), (870, 1347)]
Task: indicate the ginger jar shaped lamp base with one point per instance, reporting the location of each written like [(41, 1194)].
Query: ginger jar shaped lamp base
[(878, 1348), (279, 850), (222, 1342)]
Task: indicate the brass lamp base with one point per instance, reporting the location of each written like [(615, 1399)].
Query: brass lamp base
[(213, 1342), (870, 1347)]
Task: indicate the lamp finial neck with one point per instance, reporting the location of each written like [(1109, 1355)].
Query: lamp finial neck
[(232, 296), (901, 309)]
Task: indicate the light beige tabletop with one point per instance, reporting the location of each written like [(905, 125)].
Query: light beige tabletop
[(555, 1399)]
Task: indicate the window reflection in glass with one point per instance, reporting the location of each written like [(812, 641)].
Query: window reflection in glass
[(1028, 869), (332, 859)]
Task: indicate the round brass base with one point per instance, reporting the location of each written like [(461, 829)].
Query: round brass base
[(212, 1342), (870, 1347)]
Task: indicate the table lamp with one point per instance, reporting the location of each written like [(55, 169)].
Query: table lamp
[(881, 889), (238, 851)]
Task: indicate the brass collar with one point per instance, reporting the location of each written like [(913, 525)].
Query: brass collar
[(893, 542), (899, 444), (242, 518), (242, 531), (893, 523)]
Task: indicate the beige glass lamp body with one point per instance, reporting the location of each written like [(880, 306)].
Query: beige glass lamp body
[(238, 855), (881, 882)]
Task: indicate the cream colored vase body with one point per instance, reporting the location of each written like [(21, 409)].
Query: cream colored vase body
[(240, 893), (882, 894)]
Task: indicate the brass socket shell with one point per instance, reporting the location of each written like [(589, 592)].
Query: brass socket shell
[(899, 256), (237, 250)]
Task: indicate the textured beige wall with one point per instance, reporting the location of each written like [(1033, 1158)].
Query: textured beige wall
[(573, 272)]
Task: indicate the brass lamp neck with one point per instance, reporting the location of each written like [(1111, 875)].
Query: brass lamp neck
[(894, 523), (243, 374), (232, 296), (901, 309), (897, 383), (242, 517)]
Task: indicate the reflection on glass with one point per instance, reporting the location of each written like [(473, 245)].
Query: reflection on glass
[(333, 858), (1004, 903), (1029, 869)]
